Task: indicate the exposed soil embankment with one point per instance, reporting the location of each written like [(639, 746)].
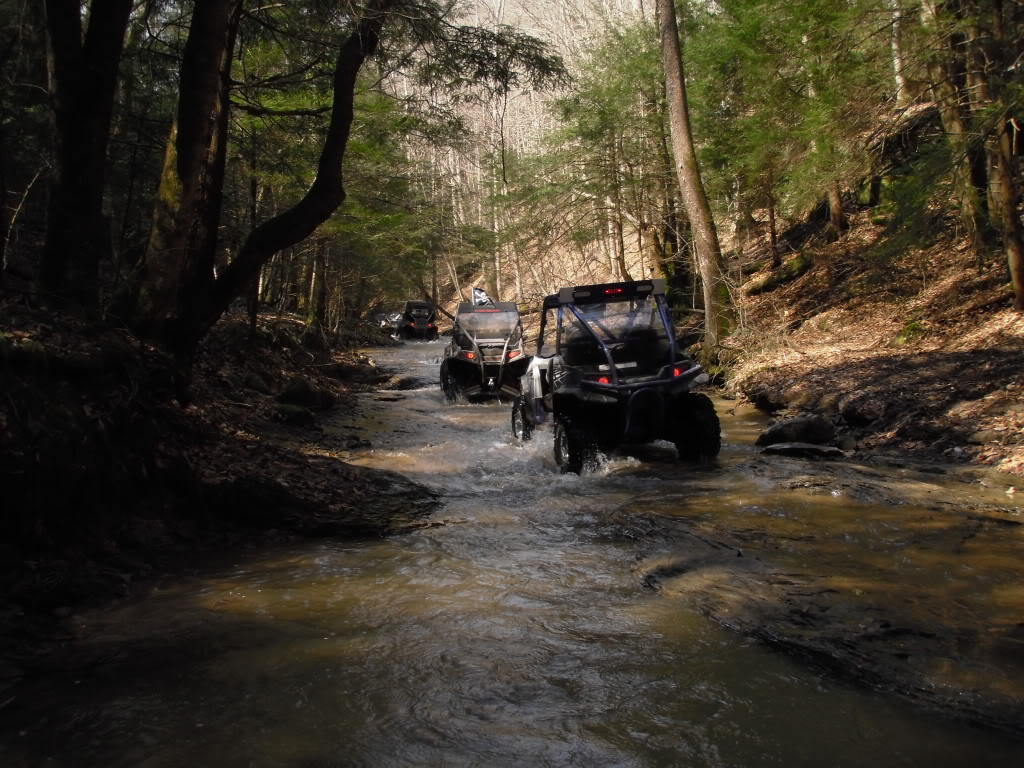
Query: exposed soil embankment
[(108, 481), (911, 350), (908, 588)]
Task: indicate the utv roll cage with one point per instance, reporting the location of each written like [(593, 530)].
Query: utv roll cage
[(568, 299), (484, 359)]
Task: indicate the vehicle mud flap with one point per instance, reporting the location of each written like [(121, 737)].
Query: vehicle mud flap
[(645, 415)]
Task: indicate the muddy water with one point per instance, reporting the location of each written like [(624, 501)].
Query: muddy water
[(515, 632)]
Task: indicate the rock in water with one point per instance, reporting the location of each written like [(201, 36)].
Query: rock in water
[(804, 450), (803, 429)]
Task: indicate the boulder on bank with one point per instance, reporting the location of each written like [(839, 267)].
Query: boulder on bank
[(815, 429), (295, 415), (345, 371), (299, 391), (361, 502)]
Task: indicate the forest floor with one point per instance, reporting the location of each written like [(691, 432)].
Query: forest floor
[(110, 483), (910, 350)]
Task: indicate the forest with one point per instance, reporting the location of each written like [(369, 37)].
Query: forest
[(207, 205)]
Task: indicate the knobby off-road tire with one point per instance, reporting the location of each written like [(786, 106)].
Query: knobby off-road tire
[(522, 427), (696, 431), (574, 448), (447, 385)]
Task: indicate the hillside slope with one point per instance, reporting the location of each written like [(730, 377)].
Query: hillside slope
[(910, 349)]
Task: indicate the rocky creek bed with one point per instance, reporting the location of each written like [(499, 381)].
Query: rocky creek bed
[(913, 587)]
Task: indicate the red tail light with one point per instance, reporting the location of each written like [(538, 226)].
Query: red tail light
[(610, 291), (677, 371), (514, 354), (411, 324), (470, 355), (602, 379), (430, 325)]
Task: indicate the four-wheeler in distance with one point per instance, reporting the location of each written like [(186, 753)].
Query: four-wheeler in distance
[(419, 321)]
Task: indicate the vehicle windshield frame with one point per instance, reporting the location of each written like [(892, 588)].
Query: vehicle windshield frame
[(659, 311), (591, 316), (466, 325)]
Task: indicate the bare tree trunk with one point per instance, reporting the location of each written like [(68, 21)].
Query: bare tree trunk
[(318, 303), (836, 216), (295, 224), (947, 85), (898, 65), (178, 266), (773, 237), (82, 73), (1007, 176), (619, 240), (705, 236)]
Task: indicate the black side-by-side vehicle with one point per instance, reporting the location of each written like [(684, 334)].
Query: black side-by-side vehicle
[(485, 357), (419, 321), (608, 371)]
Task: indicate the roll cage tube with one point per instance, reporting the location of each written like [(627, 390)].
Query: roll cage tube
[(662, 314)]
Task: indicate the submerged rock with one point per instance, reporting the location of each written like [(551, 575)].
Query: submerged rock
[(802, 429), (804, 450)]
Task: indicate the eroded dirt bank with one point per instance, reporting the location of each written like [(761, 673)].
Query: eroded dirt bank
[(903, 577), (108, 481), (911, 350)]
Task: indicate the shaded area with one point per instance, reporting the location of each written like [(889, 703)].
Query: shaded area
[(912, 400)]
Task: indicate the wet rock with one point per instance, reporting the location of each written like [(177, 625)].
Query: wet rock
[(403, 383), (299, 391), (389, 503), (345, 371), (802, 429), (860, 412), (804, 450), (847, 443), (770, 400), (295, 415), (921, 430)]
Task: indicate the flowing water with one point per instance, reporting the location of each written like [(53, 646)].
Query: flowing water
[(515, 632)]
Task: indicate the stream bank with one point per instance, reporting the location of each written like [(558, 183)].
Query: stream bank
[(110, 484)]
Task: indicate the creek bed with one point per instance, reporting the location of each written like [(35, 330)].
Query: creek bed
[(537, 620)]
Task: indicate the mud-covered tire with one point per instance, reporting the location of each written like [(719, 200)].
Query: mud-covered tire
[(696, 431), (574, 449), (447, 385), (522, 427)]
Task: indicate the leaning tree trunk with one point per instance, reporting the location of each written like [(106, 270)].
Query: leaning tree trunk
[(705, 236), (82, 74), (298, 222)]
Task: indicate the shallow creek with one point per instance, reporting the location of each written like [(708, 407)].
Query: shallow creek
[(516, 629)]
